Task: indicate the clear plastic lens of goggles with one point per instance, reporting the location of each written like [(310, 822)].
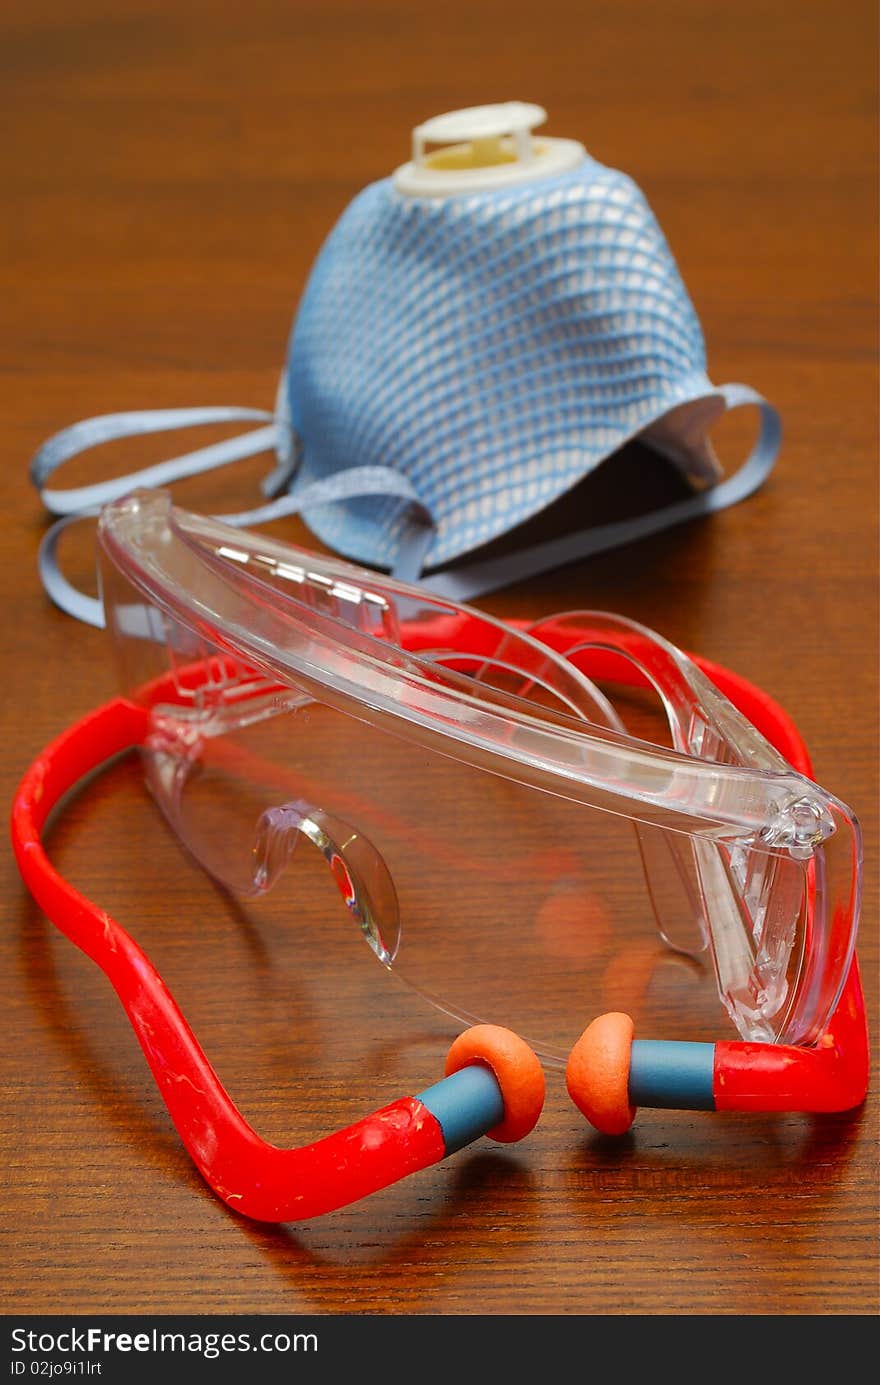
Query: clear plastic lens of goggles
[(497, 902), (497, 899)]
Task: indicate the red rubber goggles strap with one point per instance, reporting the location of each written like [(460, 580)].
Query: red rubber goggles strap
[(253, 1177), (265, 1182)]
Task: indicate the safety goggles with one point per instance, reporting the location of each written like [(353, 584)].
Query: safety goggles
[(496, 836), (462, 795)]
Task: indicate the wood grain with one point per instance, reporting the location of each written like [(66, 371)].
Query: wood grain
[(169, 173)]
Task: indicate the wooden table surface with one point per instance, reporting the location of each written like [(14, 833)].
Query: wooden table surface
[(168, 175)]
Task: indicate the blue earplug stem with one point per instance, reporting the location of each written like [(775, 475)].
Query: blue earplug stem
[(663, 1073), (669, 1074), (466, 1105)]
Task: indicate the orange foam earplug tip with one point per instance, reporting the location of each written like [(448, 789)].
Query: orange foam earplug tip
[(520, 1075), (597, 1074)]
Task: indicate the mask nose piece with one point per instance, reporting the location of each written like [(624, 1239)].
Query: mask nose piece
[(357, 867)]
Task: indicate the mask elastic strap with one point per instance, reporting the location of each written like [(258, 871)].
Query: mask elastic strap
[(91, 432), (464, 583), (344, 485)]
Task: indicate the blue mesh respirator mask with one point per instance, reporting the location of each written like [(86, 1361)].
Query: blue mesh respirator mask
[(479, 332)]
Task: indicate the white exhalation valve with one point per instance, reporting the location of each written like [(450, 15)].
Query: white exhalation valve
[(483, 147)]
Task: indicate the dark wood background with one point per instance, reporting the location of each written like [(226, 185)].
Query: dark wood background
[(168, 174)]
